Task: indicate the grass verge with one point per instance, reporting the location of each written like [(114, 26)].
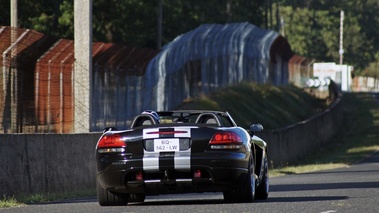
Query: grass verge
[(7, 202), (13, 201), (358, 138), (273, 107)]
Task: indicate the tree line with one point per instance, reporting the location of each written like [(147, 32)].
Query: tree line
[(312, 27)]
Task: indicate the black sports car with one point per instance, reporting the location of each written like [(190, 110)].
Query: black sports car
[(181, 152)]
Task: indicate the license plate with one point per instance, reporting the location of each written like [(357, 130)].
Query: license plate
[(166, 144)]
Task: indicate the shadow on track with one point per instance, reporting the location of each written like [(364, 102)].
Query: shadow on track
[(323, 186), (303, 199)]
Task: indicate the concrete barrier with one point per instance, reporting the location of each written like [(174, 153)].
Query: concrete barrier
[(35, 163), (289, 144)]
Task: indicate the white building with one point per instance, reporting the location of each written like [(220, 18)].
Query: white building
[(340, 74)]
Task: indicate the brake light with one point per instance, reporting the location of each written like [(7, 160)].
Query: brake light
[(167, 133), (139, 176), (114, 140), (225, 138), (197, 174)]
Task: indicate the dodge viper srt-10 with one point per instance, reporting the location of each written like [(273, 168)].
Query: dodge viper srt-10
[(181, 151)]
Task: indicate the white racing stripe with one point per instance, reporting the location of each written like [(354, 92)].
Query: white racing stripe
[(186, 132), (145, 134), (182, 159), (150, 161), (181, 132)]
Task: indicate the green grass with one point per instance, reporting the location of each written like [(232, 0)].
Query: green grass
[(47, 197), (43, 198), (273, 107), (7, 202)]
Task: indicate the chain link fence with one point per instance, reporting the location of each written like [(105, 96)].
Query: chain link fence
[(37, 79)]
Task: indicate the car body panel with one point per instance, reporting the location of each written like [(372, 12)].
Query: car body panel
[(178, 157)]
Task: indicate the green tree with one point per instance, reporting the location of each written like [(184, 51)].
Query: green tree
[(133, 22), (5, 13), (40, 15), (310, 26), (372, 70), (66, 19), (313, 29)]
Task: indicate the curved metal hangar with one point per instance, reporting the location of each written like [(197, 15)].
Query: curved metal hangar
[(181, 152)]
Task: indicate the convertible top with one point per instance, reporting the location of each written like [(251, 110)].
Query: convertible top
[(210, 118)]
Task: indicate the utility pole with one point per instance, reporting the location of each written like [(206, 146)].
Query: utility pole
[(11, 77), (341, 38), (14, 14), (341, 51), (83, 65)]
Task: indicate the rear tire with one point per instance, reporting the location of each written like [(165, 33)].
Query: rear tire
[(245, 191), (107, 198), (136, 198), (264, 186)]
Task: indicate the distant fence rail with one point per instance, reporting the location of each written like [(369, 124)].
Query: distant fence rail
[(36, 81)]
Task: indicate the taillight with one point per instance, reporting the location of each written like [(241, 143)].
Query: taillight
[(226, 140), (197, 174), (225, 137), (139, 176), (114, 140)]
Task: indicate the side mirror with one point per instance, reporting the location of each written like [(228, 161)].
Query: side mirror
[(255, 128)]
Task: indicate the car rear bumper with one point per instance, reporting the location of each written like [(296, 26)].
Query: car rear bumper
[(205, 174), (220, 180)]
